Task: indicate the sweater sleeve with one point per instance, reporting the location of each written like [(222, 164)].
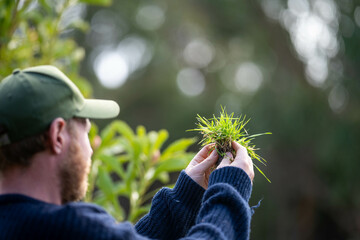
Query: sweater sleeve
[(225, 213), (173, 211)]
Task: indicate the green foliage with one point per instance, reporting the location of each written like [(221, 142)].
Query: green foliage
[(97, 2), (223, 130), (128, 163), (38, 33)]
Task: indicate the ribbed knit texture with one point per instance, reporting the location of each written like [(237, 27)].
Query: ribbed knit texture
[(225, 213), (230, 175), (221, 212), (173, 212)]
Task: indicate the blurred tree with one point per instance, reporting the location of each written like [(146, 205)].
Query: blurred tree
[(39, 32)]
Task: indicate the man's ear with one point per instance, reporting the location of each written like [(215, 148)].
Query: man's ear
[(57, 135)]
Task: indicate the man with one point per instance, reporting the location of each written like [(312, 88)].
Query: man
[(45, 159)]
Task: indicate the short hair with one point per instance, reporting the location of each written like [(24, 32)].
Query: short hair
[(18, 154)]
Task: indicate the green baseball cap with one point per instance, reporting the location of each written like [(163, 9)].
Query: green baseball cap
[(30, 99)]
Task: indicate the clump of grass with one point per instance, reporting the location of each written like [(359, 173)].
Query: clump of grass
[(223, 130)]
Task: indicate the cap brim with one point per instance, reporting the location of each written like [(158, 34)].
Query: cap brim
[(99, 109)]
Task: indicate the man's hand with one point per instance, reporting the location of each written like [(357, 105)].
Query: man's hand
[(199, 168), (242, 160)]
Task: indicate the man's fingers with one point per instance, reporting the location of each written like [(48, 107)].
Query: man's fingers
[(203, 153), (198, 168), (209, 161), (243, 160), (235, 145), (241, 152), (226, 161)]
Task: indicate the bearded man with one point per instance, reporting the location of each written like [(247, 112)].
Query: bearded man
[(45, 157)]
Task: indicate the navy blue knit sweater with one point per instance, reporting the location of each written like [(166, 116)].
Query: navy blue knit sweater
[(187, 212)]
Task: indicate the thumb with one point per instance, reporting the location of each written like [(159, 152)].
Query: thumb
[(208, 162)]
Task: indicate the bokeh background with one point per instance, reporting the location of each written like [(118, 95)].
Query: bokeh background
[(292, 66)]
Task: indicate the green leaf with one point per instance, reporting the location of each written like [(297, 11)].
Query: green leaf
[(124, 130), (177, 146), (119, 211), (141, 131), (163, 177), (105, 183), (98, 2), (117, 127), (149, 174), (130, 174), (262, 173), (115, 146), (172, 165), (136, 148), (93, 131), (114, 165), (99, 198), (79, 24), (152, 137), (161, 138), (120, 189), (138, 212), (107, 134), (143, 140)]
